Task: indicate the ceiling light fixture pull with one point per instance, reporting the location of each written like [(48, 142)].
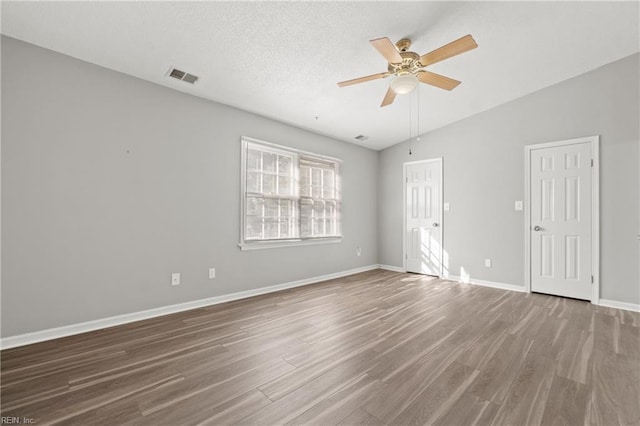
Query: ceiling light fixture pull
[(418, 136)]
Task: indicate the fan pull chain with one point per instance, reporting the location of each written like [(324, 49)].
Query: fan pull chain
[(418, 136), (410, 125)]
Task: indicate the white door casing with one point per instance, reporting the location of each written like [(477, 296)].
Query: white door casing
[(423, 217), (561, 222)]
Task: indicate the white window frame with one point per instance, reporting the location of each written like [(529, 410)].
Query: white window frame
[(296, 153)]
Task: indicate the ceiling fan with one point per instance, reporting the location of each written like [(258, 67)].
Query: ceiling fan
[(407, 67)]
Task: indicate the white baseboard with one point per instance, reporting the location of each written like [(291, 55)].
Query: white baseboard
[(391, 268), (69, 330), (502, 286), (602, 302), (620, 305)]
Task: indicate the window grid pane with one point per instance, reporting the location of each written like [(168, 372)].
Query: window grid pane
[(289, 196)]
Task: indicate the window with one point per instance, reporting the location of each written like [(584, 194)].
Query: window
[(289, 196)]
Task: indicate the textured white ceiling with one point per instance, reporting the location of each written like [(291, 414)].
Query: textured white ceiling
[(283, 59)]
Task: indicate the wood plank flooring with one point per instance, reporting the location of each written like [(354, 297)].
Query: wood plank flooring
[(374, 348)]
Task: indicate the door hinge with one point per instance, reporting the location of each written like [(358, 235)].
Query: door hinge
[(591, 279), (406, 180), (592, 162), (406, 256)]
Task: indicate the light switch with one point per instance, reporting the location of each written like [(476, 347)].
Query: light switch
[(518, 206), (446, 207)]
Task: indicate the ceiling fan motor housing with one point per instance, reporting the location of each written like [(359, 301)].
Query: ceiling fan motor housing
[(410, 63)]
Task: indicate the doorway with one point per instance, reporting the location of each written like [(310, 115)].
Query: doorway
[(561, 218), (423, 227)]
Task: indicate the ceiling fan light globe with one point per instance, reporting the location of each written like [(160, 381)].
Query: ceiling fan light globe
[(404, 83)]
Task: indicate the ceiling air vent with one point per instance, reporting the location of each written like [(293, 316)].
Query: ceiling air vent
[(182, 76), (361, 137)]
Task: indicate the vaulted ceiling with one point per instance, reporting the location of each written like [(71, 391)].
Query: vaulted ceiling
[(283, 59)]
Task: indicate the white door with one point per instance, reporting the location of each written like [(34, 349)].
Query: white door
[(423, 230), (560, 224)]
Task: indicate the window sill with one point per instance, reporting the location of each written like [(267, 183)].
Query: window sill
[(259, 245)]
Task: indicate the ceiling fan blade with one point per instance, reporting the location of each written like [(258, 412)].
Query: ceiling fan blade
[(461, 45), (388, 98), (387, 49), (437, 80), (363, 79)]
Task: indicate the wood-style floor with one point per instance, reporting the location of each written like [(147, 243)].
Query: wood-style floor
[(374, 348)]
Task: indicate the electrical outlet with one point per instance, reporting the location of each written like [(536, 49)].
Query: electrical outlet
[(359, 251), (487, 263), (212, 273), (175, 278)]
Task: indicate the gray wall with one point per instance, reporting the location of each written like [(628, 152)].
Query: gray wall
[(483, 176), (110, 183)]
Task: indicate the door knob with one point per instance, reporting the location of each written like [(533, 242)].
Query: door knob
[(537, 228), (435, 225)]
